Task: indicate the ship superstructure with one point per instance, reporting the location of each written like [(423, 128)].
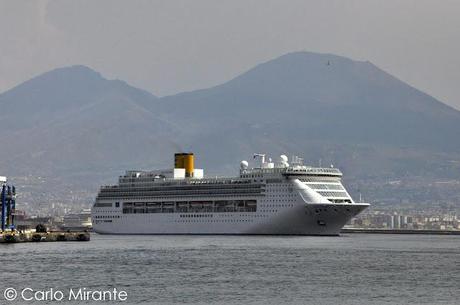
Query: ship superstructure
[(282, 197)]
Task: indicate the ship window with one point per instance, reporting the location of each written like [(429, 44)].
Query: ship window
[(117, 204), (191, 207), (103, 204)]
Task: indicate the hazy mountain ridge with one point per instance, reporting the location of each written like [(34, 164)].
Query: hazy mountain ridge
[(306, 89), (75, 124), (72, 117), (320, 106)]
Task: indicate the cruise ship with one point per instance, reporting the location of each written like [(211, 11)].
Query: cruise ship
[(77, 221), (282, 197)]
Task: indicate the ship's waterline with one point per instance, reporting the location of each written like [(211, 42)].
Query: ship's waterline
[(275, 198)]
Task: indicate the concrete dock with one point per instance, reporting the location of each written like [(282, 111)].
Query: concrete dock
[(30, 236), (399, 231)]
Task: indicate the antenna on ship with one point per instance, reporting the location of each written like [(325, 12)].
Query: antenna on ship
[(261, 157), (295, 160)]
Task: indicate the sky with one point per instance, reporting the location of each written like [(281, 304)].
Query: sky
[(167, 47)]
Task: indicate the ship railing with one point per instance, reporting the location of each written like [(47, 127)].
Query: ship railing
[(178, 182), (206, 180), (300, 170), (314, 170)]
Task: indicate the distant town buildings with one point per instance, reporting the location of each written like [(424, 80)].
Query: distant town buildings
[(384, 219)]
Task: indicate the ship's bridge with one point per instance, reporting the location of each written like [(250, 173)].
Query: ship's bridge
[(318, 184)]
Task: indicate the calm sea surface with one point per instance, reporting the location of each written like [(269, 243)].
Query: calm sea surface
[(350, 269)]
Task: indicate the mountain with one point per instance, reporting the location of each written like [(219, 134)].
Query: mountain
[(73, 120), (320, 106), (76, 129), (321, 97)]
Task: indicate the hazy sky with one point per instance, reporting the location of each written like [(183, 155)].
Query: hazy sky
[(172, 46)]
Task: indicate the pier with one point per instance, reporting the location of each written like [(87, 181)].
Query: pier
[(9, 232), (31, 236)]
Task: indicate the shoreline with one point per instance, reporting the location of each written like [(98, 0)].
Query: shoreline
[(399, 231)]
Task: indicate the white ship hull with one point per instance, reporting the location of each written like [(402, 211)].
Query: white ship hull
[(309, 219)]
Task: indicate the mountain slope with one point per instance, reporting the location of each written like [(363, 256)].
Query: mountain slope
[(73, 119), (321, 97)]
